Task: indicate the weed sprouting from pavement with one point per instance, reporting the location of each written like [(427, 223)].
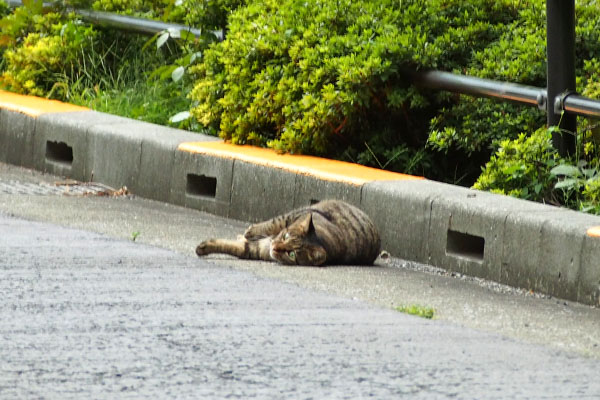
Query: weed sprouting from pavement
[(418, 310)]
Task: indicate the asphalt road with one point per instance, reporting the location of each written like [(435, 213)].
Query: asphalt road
[(87, 316), (97, 315)]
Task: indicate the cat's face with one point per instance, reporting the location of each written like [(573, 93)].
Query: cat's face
[(293, 246)]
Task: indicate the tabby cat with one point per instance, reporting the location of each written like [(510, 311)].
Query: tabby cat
[(328, 232)]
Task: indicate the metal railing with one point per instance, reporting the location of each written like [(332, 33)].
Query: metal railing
[(479, 87), (137, 25), (128, 23), (558, 99)]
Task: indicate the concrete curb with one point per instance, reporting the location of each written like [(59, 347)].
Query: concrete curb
[(521, 243)]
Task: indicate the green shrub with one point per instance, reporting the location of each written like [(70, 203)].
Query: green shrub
[(518, 55), (4, 10), (153, 9), (591, 196), (326, 77), (43, 48), (205, 14), (529, 167), (24, 20), (477, 125), (521, 168), (209, 14)]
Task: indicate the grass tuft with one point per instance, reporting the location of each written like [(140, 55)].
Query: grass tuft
[(419, 311)]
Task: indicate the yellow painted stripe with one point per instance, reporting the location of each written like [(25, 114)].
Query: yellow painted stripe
[(322, 168), (594, 231), (34, 106)]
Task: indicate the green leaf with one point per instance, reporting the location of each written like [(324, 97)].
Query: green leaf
[(417, 310), (590, 172), (162, 72), (568, 183), (162, 39), (175, 33), (187, 36), (195, 56), (180, 116), (150, 41), (177, 74), (167, 72), (565, 170)]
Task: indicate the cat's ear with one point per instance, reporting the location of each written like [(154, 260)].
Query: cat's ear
[(305, 223)]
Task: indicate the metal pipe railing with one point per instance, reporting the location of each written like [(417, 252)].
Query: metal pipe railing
[(128, 23), (137, 25), (568, 102), (523, 94), (579, 105)]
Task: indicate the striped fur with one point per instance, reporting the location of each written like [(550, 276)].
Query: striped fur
[(329, 232)]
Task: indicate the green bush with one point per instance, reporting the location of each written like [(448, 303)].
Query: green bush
[(326, 77), (205, 14), (153, 9), (4, 10), (209, 14), (38, 48), (529, 167), (518, 55), (521, 167)]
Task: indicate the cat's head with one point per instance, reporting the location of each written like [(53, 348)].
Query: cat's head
[(295, 245)]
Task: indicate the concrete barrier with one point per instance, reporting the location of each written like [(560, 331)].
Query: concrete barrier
[(16, 138), (521, 243), (62, 144), (202, 182)]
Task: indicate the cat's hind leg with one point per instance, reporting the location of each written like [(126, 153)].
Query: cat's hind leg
[(271, 227), (259, 231)]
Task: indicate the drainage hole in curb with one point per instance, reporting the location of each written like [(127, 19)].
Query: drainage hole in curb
[(201, 185), (465, 245), (59, 152)]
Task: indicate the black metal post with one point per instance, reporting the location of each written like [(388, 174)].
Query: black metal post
[(560, 42)]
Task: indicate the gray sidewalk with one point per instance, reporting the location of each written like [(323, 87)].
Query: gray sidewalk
[(87, 316)]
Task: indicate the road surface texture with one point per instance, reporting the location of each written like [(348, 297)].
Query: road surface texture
[(97, 315), (88, 316)]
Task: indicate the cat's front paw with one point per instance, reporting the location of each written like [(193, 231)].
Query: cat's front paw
[(203, 249)]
